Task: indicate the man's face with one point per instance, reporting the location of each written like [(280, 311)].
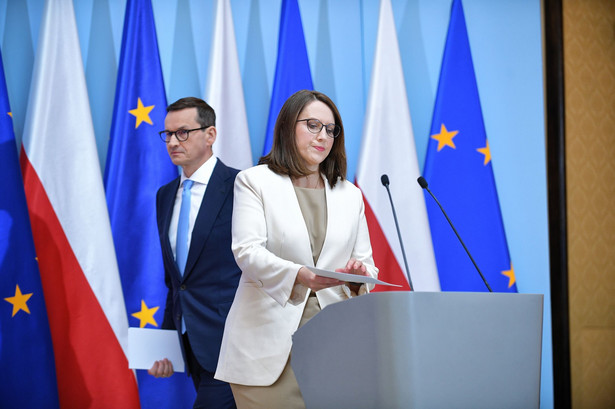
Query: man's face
[(194, 151)]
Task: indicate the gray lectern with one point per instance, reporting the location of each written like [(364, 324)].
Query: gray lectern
[(422, 350)]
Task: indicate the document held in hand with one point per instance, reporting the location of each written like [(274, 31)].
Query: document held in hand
[(351, 278), (146, 346)]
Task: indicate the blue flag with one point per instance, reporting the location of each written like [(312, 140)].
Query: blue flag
[(292, 70), (137, 165), (459, 170), (28, 376)]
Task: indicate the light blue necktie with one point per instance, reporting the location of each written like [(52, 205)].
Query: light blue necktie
[(183, 226)]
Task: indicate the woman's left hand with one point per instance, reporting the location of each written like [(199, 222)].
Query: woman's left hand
[(354, 266)]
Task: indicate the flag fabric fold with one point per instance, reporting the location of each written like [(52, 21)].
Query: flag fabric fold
[(292, 70), (70, 225), (28, 378), (225, 93), (137, 165), (459, 171), (388, 148)]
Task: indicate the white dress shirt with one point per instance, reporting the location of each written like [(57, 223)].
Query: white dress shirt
[(197, 192)]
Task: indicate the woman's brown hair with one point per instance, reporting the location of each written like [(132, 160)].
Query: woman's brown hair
[(284, 158)]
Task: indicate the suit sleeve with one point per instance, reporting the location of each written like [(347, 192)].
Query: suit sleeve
[(167, 321), (273, 274)]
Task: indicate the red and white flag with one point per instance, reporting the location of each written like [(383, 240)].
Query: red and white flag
[(70, 225), (388, 148), (225, 93)]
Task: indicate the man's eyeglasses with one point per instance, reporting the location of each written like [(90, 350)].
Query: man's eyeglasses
[(180, 134), (315, 126)]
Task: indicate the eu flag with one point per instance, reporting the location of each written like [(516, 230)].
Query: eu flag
[(28, 377), (292, 70), (137, 165), (459, 170)]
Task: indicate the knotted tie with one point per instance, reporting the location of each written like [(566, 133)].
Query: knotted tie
[(183, 226)]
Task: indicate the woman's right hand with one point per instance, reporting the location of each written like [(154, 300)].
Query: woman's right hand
[(314, 282)]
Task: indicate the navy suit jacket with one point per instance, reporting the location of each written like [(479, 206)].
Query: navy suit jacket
[(204, 294)]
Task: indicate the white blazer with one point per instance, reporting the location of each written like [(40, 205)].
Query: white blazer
[(271, 244)]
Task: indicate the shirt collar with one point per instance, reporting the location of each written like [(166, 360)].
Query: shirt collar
[(202, 174)]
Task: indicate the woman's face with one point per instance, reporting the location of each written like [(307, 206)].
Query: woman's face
[(314, 147)]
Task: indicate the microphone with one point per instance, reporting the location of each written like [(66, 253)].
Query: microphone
[(385, 182), (423, 184)]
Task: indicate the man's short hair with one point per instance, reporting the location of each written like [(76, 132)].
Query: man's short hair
[(206, 115)]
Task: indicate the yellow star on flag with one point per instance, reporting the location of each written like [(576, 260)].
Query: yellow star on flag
[(511, 276), (19, 301), (142, 113), (445, 138), (487, 152), (146, 315), (10, 114)]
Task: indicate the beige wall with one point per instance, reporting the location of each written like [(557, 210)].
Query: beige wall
[(589, 60)]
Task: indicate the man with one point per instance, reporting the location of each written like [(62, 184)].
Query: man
[(194, 222)]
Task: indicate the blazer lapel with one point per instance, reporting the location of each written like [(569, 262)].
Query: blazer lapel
[(216, 192), (331, 199), (303, 246)]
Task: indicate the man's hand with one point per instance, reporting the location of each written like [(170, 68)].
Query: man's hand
[(161, 369)]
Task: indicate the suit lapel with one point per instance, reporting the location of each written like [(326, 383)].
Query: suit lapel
[(215, 194), (167, 203)]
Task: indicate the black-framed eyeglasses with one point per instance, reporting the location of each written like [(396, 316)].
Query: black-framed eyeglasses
[(315, 126), (180, 134)]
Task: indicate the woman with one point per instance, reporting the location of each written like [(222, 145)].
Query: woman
[(292, 211)]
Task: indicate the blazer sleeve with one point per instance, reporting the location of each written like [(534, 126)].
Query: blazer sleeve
[(260, 266)]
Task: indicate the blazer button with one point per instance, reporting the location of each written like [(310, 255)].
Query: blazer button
[(182, 287)]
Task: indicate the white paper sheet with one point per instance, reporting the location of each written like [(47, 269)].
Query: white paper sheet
[(352, 278), (146, 346)]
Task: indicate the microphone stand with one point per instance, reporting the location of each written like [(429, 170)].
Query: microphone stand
[(385, 182), (423, 184)]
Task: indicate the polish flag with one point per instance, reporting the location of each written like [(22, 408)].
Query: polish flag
[(225, 93), (388, 148), (70, 225)]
